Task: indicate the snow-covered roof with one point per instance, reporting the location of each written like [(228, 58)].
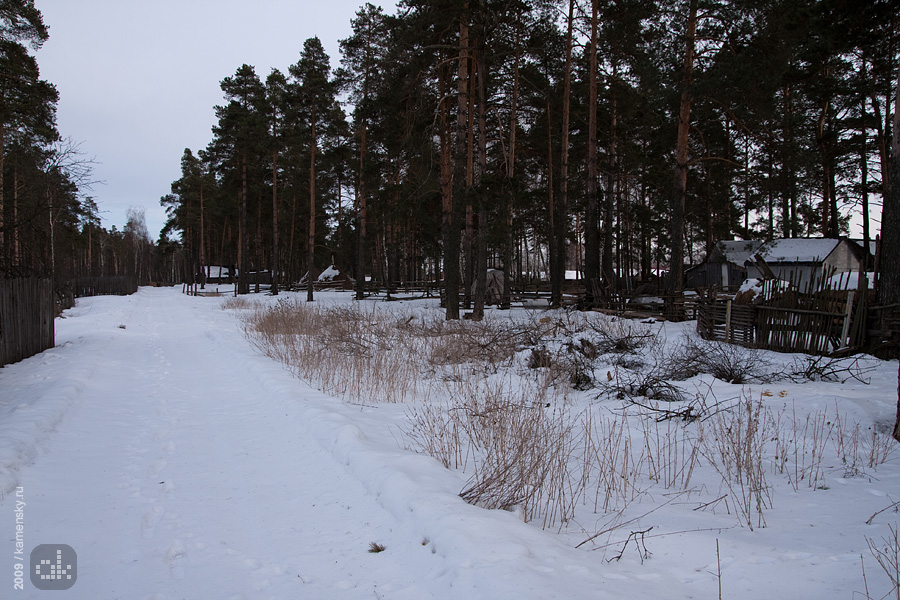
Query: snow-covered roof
[(798, 249), (738, 251), (329, 274)]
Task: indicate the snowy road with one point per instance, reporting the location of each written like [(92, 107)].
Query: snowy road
[(178, 463)]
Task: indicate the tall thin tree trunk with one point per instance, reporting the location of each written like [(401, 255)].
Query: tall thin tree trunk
[(311, 239), (275, 265), (243, 286), (558, 268), (552, 238), (203, 262), (362, 190), (609, 276), (591, 233), (258, 246), (676, 264), (789, 185), (506, 298), (469, 235), (889, 285), (481, 258), (450, 235), (460, 155)]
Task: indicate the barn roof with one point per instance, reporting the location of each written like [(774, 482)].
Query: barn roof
[(738, 251), (798, 250)]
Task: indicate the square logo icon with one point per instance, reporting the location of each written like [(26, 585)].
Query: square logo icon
[(53, 567)]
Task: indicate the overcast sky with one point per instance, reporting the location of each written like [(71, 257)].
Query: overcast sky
[(138, 79)]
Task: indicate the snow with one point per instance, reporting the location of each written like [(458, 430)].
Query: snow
[(738, 251), (749, 284), (798, 249), (179, 462), (217, 272), (849, 281), (329, 274)]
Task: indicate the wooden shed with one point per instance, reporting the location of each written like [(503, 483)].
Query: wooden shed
[(724, 266)]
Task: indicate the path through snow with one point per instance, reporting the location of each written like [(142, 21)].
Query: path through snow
[(179, 463)]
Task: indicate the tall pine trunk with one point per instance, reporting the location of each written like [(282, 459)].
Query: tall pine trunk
[(506, 298), (481, 240), (311, 239), (275, 265), (558, 266), (889, 283), (676, 264), (591, 233), (362, 190), (243, 286), (453, 212), (609, 276)]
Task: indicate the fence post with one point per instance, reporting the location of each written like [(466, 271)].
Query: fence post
[(728, 322), (848, 314)]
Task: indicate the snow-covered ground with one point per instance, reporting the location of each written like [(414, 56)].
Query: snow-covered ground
[(178, 462)]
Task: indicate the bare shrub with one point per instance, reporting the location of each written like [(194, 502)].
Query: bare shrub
[(611, 461), (859, 449), (651, 384), (800, 446), (488, 344), (887, 554), (434, 430), (540, 358), (672, 452), (734, 442), (727, 362), (525, 452), (826, 368), (620, 336)]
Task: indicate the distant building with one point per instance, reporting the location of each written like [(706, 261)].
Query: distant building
[(724, 267), (800, 260), (804, 261)]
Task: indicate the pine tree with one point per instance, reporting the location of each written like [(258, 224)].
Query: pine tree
[(239, 144), (320, 118), (364, 61), (27, 103)]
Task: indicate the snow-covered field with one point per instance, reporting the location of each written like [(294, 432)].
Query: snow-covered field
[(179, 462)]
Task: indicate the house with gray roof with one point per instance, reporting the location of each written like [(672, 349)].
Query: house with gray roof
[(804, 261)]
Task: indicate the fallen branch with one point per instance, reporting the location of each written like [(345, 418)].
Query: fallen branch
[(641, 543), (872, 518)]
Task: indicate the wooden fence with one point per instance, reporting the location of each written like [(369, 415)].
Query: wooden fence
[(26, 318), (814, 325), (103, 286)]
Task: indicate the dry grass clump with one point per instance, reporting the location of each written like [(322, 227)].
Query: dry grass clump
[(517, 442), (734, 443), (491, 399), (349, 352), (238, 302)]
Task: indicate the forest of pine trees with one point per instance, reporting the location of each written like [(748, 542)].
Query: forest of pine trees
[(616, 138), (49, 225)]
